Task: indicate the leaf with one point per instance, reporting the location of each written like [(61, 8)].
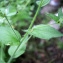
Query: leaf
[(61, 20), (20, 50), (7, 36), (52, 16), (2, 54), (2, 61), (60, 45), (44, 32), (21, 16), (44, 2), (60, 12), (10, 11)]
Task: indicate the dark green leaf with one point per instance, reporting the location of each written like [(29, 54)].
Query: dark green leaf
[(60, 45)]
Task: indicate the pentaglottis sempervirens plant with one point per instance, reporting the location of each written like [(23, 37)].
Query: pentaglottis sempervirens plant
[(19, 11)]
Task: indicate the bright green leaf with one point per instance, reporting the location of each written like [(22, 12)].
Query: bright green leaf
[(44, 32), (7, 36), (11, 10), (20, 50), (44, 2)]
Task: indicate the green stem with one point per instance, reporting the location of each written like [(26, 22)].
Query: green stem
[(35, 15), (27, 3), (26, 34)]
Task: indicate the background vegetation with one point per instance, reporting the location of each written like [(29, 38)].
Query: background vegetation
[(20, 20)]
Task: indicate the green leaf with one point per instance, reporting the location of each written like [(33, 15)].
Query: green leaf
[(22, 15), (44, 2), (52, 16), (61, 20), (20, 50), (2, 61), (7, 36), (11, 10), (60, 12), (44, 32), (2, 53), (60, 45)]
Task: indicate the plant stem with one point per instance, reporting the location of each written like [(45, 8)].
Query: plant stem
[(35, 15), (26, 34)]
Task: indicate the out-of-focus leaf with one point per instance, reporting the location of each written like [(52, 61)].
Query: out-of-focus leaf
[(52, 16), (60, 45), (44, 2), (10, 11), (2, 61), (2, 54), (60, 12)]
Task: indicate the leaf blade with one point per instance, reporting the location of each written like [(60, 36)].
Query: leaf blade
[(44, 2), (45, 32), (7, 36)]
